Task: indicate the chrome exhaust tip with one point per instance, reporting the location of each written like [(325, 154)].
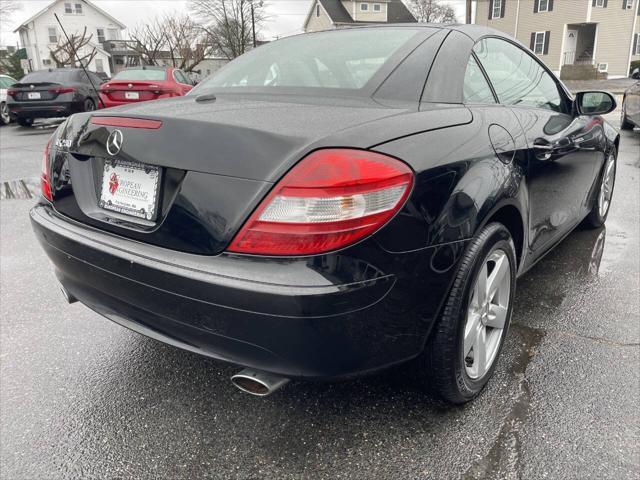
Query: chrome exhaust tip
[(67, 296), (258, 383)]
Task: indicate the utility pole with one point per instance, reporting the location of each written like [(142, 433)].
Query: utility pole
[(253, 25), (468, 12)]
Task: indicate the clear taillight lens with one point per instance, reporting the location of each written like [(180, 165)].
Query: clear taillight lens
[(45, 176), (331, 199)]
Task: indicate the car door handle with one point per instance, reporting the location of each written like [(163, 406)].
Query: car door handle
[(545, 148)]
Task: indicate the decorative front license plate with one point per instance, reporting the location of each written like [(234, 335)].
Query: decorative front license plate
[(130, 188)]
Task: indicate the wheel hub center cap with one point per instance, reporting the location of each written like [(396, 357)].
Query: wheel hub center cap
[(484, 314)]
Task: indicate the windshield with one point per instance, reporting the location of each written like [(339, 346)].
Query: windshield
[(55, 76), (141, 75), (345, 59)]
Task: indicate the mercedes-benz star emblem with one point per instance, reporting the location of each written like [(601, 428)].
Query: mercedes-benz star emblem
[(114, 142)]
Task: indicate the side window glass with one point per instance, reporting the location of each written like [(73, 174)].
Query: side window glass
[(476, 89), (517, 77), (180, 78)]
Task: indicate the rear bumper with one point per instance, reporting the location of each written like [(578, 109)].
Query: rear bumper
[(321, 317), (42, 110), (108, 103)]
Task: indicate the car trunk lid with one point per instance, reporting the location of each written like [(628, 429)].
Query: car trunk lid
[(216, 159), (133, 90), (38, 91)]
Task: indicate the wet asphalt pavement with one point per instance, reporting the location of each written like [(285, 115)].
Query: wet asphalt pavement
[(81, 397)]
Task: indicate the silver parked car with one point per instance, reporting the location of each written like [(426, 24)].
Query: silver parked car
[(631, 104), (5, 82)]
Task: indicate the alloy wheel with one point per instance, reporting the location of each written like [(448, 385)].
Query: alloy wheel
[(4, 113), (606, 186), (487, 314)]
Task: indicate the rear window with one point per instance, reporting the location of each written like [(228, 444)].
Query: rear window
[(56, 76), (141, 75), (345, 59)]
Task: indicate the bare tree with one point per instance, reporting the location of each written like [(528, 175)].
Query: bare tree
[(150, 40), (175, 36), (188, 43), (229, 23), (433, 11), (65, 52), (7, 9)]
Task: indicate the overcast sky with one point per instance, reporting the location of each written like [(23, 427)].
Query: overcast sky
[(285, 16)]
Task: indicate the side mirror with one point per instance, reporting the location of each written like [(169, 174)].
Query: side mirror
[(594, 103), (635, 74)]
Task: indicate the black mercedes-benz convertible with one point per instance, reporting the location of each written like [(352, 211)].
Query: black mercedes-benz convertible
[(331, 204)]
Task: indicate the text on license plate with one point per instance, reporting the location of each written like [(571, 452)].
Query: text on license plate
[(132, 95), (130, 188), (33, 95)]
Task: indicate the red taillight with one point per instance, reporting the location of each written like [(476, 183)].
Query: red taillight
[(60, 90), (45, 176), (331, 199), (127, 122), (12, 92)]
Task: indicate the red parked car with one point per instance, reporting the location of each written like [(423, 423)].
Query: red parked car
[(140, 84)]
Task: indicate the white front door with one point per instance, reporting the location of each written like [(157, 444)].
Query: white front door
[(570, 45)]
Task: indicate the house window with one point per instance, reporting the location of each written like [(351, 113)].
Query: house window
[(46, 62), (68, 8), (543, 5), (497, 9), (538, 43), (636, 44), (101, 37), (628, 4), (364, 7), (53, 35), (599, 3), (317, 9), (99, 65), (377, 7), (78, 9)]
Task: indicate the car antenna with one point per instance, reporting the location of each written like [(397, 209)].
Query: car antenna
[(73, 49)]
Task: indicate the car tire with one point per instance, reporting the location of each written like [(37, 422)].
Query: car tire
[(624, 123), (89, 106), (25, 122), (5, 119), (601, 202), (449, 370)]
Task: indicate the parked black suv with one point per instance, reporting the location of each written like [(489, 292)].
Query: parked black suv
[(52, 93)]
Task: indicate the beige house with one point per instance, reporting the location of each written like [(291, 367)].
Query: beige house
[(328, 14), (575, 38)]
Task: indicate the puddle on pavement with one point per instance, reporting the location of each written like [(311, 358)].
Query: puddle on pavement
[(503, 460), (572, 267), (20, 189)]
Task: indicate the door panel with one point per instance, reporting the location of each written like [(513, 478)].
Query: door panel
[(563, 162), (564, 152)]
